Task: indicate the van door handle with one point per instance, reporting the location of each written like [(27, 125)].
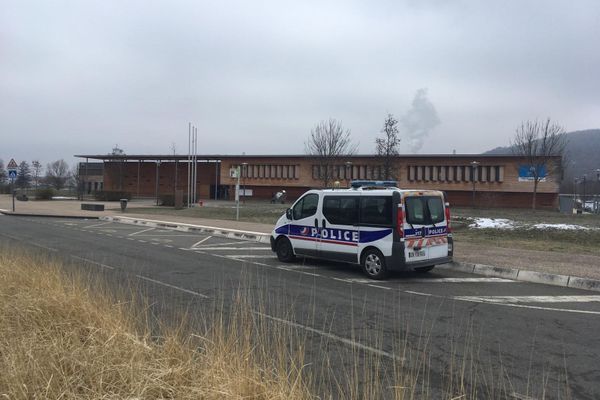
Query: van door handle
[(324, 224)]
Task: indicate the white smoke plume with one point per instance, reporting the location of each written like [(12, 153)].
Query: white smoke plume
[(419, 121)]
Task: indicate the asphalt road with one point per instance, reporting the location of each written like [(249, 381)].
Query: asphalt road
[(507, 337)]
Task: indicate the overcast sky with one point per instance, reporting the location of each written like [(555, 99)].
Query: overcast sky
[(78, 77)]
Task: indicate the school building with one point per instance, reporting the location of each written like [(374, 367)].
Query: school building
[(486, 180)]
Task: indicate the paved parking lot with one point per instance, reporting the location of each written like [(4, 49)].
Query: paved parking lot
[(442, 282), (518, 326)]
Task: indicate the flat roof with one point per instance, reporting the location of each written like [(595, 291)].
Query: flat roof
[(217, 157)]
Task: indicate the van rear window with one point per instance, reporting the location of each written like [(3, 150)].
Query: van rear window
[(424, 210)]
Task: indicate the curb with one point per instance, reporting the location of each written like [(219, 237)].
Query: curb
[(230, 233), (12, 214), (569, 281)]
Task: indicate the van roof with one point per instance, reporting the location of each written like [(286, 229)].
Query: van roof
[(386, 191)]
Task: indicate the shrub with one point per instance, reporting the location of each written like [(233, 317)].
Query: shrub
[(44, 194)]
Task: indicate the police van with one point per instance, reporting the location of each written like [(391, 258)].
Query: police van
[(374, 224)]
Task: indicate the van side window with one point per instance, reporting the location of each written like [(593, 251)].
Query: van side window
[(306, 207), (341, 210), (376, 210)]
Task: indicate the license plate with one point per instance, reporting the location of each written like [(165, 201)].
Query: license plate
[(416, 253)]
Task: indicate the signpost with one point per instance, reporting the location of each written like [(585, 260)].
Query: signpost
[(12, 175)]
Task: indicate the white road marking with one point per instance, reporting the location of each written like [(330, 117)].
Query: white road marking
[(249, 256), (172, 286), (530, 299), (331, 336), (141, 241), (201, 241), (460, 280), (92, 262), (221, 244), (43, 247), (378, 287), (437, 280), (231, 248), (97, 225), (142, 231)]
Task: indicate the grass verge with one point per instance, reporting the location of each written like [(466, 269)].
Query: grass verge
[(64, 336)]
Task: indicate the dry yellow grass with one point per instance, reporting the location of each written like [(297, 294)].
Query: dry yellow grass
[(63, 336)]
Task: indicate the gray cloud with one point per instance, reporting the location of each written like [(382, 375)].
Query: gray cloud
[(77, 77)]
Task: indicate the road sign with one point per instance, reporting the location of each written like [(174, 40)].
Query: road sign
[(12, 169)]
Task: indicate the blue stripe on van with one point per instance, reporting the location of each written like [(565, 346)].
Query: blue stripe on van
[(429, 231), (332, 234), (371, 236)]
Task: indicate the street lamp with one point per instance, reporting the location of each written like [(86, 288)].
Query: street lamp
[(156, 189), (474, 165), (583, 179), (244, 172), (348, 171)]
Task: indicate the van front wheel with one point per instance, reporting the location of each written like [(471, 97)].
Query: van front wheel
[(373, 263), (284, 250)]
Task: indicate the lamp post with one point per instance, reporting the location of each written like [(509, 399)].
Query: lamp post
[(348, 172), (244, 172), (583, 179), (474, 165), (156, 188)]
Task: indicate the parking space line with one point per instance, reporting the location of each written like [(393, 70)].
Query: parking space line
[(530, 299), (232, 248), (97, 225), (201, 241), (221, 244), (142, 231), (249, 256)]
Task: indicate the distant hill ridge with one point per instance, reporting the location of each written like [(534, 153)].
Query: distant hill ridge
[(582, 157)]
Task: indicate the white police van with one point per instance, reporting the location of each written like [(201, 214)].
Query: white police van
[(373, 224)]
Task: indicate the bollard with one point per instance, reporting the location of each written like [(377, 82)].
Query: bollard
[(123, 204)]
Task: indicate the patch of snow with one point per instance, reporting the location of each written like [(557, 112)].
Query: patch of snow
[(565, 227), (63, 198), (494, 223)]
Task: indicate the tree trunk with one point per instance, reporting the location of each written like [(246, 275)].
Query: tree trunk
[(535, 184)]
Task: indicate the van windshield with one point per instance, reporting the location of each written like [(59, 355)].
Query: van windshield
[(424, 210)]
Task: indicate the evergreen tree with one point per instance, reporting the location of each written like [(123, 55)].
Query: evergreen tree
[(23, 175), (3, 174)]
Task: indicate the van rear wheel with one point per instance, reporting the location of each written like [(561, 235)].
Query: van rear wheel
[(373, 263), (284, 250)]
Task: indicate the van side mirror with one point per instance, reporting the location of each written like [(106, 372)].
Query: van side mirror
[(288, 214)]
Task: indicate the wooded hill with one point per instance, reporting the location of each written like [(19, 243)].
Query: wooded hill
[(582, 157)]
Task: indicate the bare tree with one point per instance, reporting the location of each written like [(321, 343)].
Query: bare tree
[(36, 173), (387, 147), (328, 142), (540, 142), (57, 174)]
